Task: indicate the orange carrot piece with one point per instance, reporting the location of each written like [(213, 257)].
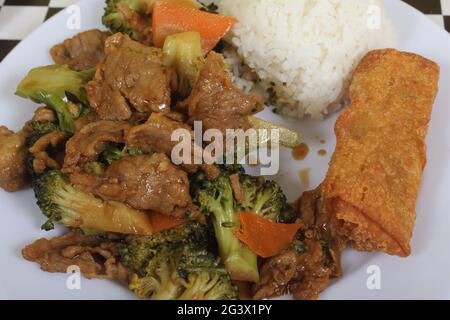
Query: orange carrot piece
[(161, 222), (263, 236), (169, 18)]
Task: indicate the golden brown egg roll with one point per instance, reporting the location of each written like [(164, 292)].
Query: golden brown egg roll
[(374, 177)]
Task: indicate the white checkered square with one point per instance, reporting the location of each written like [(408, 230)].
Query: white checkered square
[(445, 4), (13, 18), (61, 3)]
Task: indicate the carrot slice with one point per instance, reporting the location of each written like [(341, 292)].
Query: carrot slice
[(161, 222), (263, 236), (169, 18)]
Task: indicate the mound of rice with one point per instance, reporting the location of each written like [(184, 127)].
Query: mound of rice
[(304, 51)]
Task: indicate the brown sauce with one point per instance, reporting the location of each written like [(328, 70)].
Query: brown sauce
[(304, 176), (300, 152)]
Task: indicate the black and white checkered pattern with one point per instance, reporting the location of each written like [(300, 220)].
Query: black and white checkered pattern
[(19, 17)]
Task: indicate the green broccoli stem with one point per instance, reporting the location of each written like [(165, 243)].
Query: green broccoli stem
[(240, 262), (65, 118)]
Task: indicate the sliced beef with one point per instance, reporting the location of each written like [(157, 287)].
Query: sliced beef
[(13, 156), (83, 51), (131, 76), (44, 114), (306, 267), (145, 182), (217, 102), (96, 258), (92, 139), (40, 151), (156, 136), (139, 23)]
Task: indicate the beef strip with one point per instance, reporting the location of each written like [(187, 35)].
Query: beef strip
[(217, 102), (41, 158), (92, 139), (306, 266), (44, 114), (13, 156), (96, 258), (138, 22), (130, 75), (83, 51), (155, 136), (145, 182)]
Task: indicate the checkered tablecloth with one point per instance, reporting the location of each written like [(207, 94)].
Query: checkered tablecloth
[(19, 17)]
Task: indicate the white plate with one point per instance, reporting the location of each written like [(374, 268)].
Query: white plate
[(423, 275)]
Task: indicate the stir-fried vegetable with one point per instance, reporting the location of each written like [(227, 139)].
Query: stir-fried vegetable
[(263, 236), (176, 264), (63, 203), (217, 199), (53, 85), (183, 51), (115, 20), (170, 18), (288, 138)]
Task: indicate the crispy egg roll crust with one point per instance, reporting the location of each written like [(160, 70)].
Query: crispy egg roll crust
[(374, 177)]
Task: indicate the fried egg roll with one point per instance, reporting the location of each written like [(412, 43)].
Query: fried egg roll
[(372, 185)]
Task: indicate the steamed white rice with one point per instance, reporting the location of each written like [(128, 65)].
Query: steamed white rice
[(306, 50)]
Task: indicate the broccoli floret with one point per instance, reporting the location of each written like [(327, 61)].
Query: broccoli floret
[(63, 203), (268, 200), (183, 52), (114, 19), (215, 198), (139, 250), (53, 85), (176, 265), (115, 151)]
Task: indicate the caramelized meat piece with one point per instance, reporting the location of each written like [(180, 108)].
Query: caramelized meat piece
[(52, 139), (217, 102), (130, 75), (143, 182), (302, 274), (83, 51), (305, 268), (41, 159), (13, 155), (96, 258), (155, 136), (92, 139), (44, 114), (138, 23)]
